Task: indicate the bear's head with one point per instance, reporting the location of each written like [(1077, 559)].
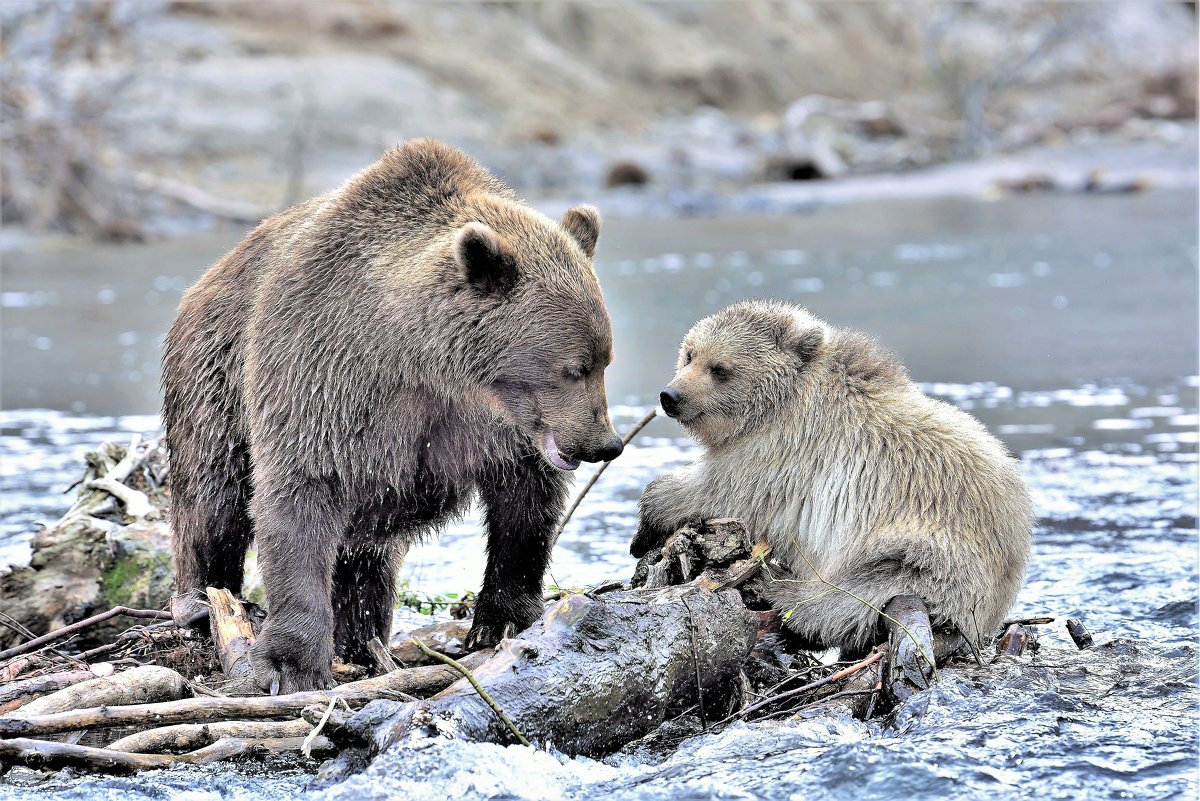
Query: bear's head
[(738, 368), (539, 305)]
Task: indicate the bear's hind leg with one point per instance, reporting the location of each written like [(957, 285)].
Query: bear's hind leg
[(364, 595), (210, 524)]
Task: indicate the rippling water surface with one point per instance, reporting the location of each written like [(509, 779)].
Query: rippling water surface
[(1067, 325)]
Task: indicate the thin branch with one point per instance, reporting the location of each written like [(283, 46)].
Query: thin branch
[(920, 648), (696, 665), (830, 679), (78, 626), (482, 693), (629, 435)]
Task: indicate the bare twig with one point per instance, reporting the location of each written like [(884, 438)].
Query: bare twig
[(696, 666), (928, 657), (78, 626), (197, 710), (136, 504), (629, 435), (482, 693), (807, 688), (306, 747)]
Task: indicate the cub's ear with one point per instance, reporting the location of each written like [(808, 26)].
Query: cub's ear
[(583, 223), (486, 260), (804, 342)]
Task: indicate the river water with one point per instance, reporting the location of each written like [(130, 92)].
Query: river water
[(1066, 323)]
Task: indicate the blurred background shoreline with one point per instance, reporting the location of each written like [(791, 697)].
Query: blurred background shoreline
[(134, 120)]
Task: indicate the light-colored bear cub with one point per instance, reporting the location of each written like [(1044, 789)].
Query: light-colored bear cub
[(817, 439)]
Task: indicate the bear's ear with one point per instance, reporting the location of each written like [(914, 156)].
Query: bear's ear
[(804, 342), (486, 260), (583, 224)]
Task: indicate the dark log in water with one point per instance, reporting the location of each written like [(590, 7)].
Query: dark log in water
[(592, 675), (1080, 634)]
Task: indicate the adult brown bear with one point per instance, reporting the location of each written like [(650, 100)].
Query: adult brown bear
[(354, 372)]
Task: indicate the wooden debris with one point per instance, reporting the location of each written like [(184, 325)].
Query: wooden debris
[(1013, 643), (912, 666), (20, 693), (44, 755), (606, 670), (146, 685), (1080, 634), (185, 737), (232, 634), (447, 637), (382, 658), (67, 631)]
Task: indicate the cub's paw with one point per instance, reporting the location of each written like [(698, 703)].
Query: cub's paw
[(189, 610), (498, 620), (284, 663)]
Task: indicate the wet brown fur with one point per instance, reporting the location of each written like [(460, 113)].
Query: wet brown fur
[(816, 437), (354, 372)]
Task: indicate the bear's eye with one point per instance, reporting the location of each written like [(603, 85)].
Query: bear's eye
[(720, 371), (687, 357), (575, 372)]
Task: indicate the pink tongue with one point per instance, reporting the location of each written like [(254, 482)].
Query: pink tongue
[(556, 458)]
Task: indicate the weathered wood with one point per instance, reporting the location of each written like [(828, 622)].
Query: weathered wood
[(232, 633), (590, 676), (199, 710), (43, 755), (21, 693), (190, 736), (1013, 642), (912, 666), (1080, 634), (381, 658), (147, 684)]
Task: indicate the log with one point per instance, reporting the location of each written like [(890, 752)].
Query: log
[(43, 755), (232, 634), (592, 675), (21, 693), (1080, 634), (912, 666), (190, 736), (1013, 642), (142, 685), (199, 710)]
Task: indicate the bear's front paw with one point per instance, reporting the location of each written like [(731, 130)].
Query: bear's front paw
[(498, 620), (291, 662)]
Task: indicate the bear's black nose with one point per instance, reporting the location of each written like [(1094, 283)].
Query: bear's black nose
[(669, 400), (611, 451)]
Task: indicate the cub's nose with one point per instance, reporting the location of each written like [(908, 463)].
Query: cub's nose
[(669, 400), (610, 451)]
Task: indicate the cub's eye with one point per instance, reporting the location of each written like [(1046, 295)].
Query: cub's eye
[(720, 372), (687, 357), (575, 373)]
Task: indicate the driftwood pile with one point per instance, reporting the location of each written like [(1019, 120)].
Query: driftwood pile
[(687, 643)]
